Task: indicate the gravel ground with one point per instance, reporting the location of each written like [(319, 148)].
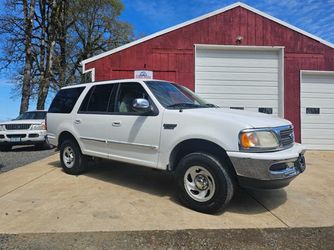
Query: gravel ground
[(22, 155), (278, 238)]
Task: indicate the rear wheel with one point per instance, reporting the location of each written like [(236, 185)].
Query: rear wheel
[(204, 183), (5, 148), (72, 160)]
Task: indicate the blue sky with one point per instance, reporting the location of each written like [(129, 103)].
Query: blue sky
[(149, 16)]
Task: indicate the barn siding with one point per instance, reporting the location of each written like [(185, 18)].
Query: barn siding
[(171, 56)]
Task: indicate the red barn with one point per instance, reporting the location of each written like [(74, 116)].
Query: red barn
[(239, 57)]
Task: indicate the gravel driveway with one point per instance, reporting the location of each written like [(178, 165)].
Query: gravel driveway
[(22, 155)]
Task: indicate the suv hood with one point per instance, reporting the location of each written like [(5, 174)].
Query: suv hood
[(23, 122), (247, 118)]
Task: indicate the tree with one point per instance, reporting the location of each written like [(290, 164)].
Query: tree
[(17, 28), (49, 14), (28, 9), (83, 28), (92, 27), (47, 40)]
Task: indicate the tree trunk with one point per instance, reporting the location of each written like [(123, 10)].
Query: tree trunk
[(26, 86), (51, 34), (62, 42)]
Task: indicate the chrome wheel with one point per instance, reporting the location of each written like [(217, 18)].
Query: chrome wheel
[(68, 157), (199, 183)]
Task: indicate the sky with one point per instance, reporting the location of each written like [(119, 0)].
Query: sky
[(150, 16)]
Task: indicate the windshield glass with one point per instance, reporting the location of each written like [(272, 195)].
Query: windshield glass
[(171, 95), (32, 116)]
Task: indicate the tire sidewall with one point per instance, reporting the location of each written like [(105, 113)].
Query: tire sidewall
[(223, 183), (78, 162)]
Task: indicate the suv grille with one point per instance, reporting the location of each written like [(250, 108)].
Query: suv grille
[(17, 136), (17, 126), (287, 137)]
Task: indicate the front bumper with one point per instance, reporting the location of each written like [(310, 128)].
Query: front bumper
[(268, 170), (22, 137)]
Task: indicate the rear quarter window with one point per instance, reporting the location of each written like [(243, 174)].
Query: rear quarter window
[(65, 100)]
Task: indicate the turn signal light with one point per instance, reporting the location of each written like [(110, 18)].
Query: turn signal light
[(248, 140)]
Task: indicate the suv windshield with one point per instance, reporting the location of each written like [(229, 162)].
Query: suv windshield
[(32, 116), (172, 96)]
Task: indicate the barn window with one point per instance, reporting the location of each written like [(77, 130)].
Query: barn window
[(313, 111), (266, 110)]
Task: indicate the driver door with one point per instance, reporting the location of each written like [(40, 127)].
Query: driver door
[(134, 135)]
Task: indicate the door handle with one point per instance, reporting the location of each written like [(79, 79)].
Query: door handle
[(116, 124), (77, 121)]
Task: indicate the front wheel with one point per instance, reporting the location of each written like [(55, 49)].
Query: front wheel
[(72, 160), (204, 183)]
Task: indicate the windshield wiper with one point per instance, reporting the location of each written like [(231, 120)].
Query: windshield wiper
[(184, 105), (210, 105)]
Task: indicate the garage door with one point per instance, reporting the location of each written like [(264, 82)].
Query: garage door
[(317, 110), (246, 79)]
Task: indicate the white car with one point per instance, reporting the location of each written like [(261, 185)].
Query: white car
[(27, 129), (163, 125)]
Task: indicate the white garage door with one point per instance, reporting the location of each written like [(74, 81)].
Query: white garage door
[(239, 79), (317, 110)]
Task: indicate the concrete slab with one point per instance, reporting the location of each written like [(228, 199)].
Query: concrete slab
[(116, 197), (309, 198), (14, 179)]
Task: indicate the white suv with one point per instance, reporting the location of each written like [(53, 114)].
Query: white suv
[(163, 125), (27, 129)]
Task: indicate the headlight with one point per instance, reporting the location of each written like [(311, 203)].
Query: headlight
[(258, 140), (38, 126), (2, 127)]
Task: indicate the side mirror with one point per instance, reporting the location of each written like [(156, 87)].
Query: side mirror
[(141, 105)]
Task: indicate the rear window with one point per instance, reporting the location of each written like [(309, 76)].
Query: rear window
[(65, 100)]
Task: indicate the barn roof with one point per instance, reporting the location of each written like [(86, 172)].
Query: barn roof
[(219, 11)]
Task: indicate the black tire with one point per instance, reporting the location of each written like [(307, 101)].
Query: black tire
[(5, 148), (79, 164), (222, 186)]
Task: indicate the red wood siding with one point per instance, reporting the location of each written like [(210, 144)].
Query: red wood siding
[(171, 56)]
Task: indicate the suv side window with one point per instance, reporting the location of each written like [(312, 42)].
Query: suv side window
[(65, 100), (98, 99), (127, 93)]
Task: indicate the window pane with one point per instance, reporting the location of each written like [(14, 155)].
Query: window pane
[(171, 94), (84, 104), (99, 99), (65, 100), (40, 115), (127, 94)]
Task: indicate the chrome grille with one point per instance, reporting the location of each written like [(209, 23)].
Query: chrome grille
[(287, 137), (17, 126)]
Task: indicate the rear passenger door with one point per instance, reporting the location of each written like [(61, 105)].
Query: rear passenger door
[(93, 121), (134, 136)]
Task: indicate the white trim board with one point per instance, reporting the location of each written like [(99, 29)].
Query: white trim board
[(316, 72), (219, 11), (92, 71)]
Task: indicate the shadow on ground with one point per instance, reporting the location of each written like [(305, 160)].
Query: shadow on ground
[(29, 148), (162, 184)]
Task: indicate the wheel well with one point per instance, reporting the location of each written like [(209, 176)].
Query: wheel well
[(65, 136), (198, 145)]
